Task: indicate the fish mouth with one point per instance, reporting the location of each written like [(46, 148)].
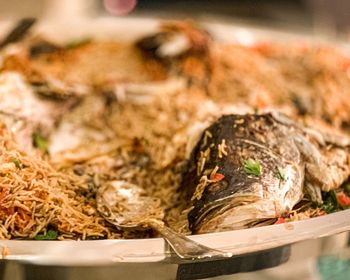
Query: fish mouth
[(239, 213)]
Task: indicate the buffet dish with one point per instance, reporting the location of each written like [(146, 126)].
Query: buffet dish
[(244, 140)]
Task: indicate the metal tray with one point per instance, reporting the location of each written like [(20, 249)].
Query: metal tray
[(239, 242), (112, 252)]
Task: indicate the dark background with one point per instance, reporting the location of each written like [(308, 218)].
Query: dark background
[(331, 17)]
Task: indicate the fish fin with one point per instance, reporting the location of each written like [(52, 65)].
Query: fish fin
[(282, 118), (316, 135), (324, 176), (314, 193), (336, 140), (324, 138), (310, 153)]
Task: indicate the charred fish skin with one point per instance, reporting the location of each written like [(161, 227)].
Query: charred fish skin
[(221, 179), (249, 168)]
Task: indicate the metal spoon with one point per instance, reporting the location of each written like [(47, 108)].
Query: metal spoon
[(128, 207)]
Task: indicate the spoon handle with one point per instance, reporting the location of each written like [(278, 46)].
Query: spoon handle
[(186, 248)]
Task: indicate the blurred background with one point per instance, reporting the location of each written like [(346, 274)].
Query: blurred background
[(325, 17)]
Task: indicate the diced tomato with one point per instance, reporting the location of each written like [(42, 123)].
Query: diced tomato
[(322, 213), (343, 199), (280, 221), (218, 177)]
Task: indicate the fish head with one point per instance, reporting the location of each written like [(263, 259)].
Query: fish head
[(251, 173), (240, 200)]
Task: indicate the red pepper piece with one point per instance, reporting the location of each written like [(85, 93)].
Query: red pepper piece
[(280, 221), (218, 177)]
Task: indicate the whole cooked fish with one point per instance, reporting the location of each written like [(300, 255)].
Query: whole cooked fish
[(246, 169), (26, 112)]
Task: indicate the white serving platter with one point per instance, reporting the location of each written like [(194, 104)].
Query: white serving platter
[(239, 242)]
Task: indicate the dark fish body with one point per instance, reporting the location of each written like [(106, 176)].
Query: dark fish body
[(225, 195)]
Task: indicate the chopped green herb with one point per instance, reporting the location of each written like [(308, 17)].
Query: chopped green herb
[(330, 202), (281, 173), (40, 142), (17, 162), (50, 235), (77, 43), (252, 167)]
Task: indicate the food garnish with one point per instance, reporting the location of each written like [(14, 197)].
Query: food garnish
[(218, 177), (343, 200), (17, 162), (280, 221), (40, 142), (50, 235), (281, 174), (252, 167)]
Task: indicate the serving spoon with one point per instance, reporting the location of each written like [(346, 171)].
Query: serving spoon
[(128, 207)]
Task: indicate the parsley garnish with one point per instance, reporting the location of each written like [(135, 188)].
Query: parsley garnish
[(17, 162), (50, 235), (330, 204), (281, 173), (252, 167), (40, 142)]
